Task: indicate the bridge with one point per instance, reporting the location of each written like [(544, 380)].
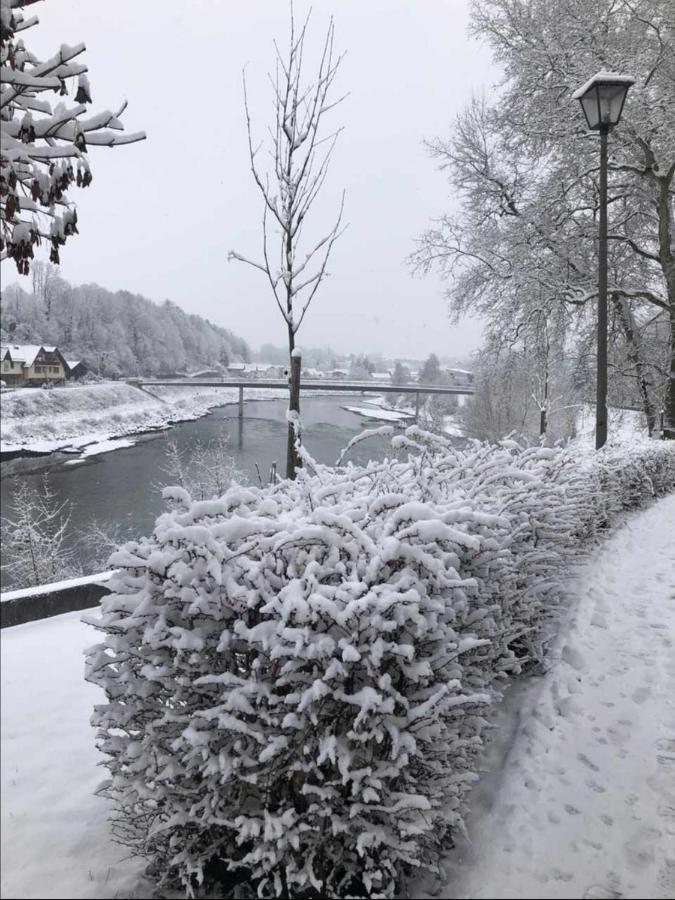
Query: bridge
[(345, 387)]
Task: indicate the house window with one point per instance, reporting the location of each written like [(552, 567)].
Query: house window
[(38, 370)]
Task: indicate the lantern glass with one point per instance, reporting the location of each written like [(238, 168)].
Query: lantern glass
[(602, 99)]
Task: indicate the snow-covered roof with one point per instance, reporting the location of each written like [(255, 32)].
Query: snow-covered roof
[(612, 77), (203, 372), (237, 367), (72, 363), (25, 353)]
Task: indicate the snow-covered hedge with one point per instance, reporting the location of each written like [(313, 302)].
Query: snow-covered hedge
[(299, 677)]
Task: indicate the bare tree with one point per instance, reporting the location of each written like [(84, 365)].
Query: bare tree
[(205, 470), (34, 537), (300, 152)]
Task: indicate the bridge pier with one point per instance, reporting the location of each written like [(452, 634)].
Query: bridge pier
[(417, 408), (241, 401)]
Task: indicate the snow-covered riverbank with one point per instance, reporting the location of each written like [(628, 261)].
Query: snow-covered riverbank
[(96, 416), (89, 419)]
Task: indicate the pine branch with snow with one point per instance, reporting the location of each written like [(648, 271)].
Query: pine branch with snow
[(44, 147)]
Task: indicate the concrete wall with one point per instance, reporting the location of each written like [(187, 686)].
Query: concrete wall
[(17, 607)]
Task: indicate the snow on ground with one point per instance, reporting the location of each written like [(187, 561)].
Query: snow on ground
[(584, 804), (379, 414), (55, 837), (622, 424), (452, 426)]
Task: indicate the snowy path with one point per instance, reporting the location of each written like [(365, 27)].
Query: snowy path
[(585, 804), (55, 837)]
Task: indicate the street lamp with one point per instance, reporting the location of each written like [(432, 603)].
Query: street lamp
[(602, 99)]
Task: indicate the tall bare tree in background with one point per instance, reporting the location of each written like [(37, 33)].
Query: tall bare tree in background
[(300, 153), (525, 169)]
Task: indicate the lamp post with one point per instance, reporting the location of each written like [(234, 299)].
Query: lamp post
[(602, 98)]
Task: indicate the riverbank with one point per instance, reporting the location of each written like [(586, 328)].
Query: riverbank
[(39, 421), (86, 420)]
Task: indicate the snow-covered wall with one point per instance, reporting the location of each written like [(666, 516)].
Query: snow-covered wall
[(299, 678)]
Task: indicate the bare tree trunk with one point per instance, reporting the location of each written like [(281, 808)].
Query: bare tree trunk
[(669, 404), (543, 424), (293, 460), (667, 261), (635, 356)]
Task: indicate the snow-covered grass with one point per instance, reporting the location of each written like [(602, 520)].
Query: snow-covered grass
[(330, 651), (44, 420)]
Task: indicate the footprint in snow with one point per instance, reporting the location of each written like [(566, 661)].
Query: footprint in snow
[(640, 695), (598, 892), (587, 762)]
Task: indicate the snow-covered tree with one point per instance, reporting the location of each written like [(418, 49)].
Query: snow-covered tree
[(34, 545), (526, 171), (44, 146), (401, 374), (300, 152), (430, 373), (115, 333)]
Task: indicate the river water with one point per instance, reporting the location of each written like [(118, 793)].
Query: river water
[(121, 490)]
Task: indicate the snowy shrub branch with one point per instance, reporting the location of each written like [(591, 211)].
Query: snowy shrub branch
[(298, 678), (44, 147)]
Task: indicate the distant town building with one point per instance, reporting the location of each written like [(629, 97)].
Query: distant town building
[(25, 365), (460, 376), (76, 368), (208, 374)]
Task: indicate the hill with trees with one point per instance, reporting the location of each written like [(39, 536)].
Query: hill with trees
[(116, 333)]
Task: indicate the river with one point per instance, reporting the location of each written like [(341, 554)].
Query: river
[(121, 490)]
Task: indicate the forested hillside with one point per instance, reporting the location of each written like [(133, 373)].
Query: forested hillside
[(116, 333)]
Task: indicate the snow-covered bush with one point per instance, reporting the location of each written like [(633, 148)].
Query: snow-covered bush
[(298, 678)]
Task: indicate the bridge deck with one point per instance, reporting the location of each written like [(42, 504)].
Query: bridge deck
[(368, 387)]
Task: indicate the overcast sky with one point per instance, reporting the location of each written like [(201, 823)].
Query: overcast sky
[(161, 215)]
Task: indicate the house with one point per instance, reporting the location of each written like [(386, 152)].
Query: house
[(265, 370), (238, 369), (31, 365), (208, 374), (381, 376), (460, 376), (75, 369)]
